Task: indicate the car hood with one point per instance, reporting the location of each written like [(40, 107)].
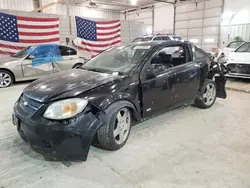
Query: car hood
[(238, 57), (66, 84), (6, 58)]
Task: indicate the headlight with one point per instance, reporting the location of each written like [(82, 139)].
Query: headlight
[(65, 109)]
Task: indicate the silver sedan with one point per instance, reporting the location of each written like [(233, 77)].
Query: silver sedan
[(34, 62)]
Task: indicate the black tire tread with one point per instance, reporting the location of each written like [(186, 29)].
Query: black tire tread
[(105, 135)]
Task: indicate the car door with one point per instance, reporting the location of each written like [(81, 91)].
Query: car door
[(38, 61), (69, 59), (169, 82)]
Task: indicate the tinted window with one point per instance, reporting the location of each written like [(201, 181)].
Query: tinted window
[(141, 39), (66, 51), (157, 38), (235, 44), (199, 54), (244, 48), (166, 38), (172, 56)]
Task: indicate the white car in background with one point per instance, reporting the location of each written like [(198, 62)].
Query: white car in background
[(231, 47), (238, 62)]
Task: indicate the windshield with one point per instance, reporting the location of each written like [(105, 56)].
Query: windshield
[(118, 60), (143, 39), (235, 44), (22, 53), (244, 48)]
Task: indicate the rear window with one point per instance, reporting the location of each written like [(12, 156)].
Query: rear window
[(142, 39)]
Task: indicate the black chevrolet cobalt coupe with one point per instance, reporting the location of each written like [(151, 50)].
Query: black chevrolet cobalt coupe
[(60, 115)]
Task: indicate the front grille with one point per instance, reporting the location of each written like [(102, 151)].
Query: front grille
[(239, 68), (28, 106)]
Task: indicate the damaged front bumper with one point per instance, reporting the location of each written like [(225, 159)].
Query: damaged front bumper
[(218, 72), (63, 140)]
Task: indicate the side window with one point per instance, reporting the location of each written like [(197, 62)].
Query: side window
[(66, 51), (199, 54), (170, 57), (157, 38), (165, 38)]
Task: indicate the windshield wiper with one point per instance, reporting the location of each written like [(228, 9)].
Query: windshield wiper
[(95, 69)]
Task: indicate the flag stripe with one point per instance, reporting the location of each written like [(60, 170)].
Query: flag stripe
[(39, 34), (40, 41), (110, 36), (100, 45), (91, 50), (37, 30), (6, 52), (37, 19), (107, 28), (11, 46), (23, 44), (109, 39), (108, 25), (109, 33), (37, 26), (23, 37), (108, 22), (37, 23)]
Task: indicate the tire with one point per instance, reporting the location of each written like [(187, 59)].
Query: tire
[(6, 78), (207, 97), (118, 123), (77, 66)]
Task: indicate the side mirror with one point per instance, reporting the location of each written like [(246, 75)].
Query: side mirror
[(31, 57), (150, 74)]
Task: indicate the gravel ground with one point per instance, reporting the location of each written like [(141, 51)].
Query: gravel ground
[(184, 148)]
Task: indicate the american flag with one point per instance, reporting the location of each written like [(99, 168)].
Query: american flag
[(18, 32), (97, 36)]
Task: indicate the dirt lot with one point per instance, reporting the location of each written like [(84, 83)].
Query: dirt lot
[(184, 148)]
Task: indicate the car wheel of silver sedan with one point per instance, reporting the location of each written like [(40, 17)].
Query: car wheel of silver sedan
[(114, 134), (6, 79)]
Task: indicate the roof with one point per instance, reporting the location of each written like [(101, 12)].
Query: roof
[(155, 43)]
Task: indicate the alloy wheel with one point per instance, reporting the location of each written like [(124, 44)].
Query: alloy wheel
[(5, 79), (122, 126), (209, 94)]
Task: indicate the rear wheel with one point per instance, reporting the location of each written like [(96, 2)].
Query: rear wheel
[(208, 95), (114, 134), (6, 79)]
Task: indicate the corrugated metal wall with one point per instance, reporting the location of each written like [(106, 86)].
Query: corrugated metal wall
[(230, 31), (144, 16), (25, 5), (200, 22), (87, 12)]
